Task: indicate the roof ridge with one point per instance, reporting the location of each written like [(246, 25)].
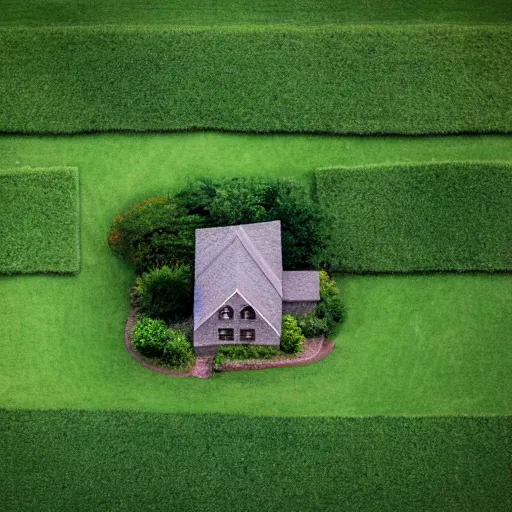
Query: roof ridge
[(213, 260), (259, 260)]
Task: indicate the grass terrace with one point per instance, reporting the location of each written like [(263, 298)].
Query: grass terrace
[(39, 220), (446, 79), (415, 217)]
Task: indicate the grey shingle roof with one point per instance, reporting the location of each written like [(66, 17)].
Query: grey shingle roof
[(301, 286), (245, 258)]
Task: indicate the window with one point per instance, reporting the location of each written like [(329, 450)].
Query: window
[(226, 313), (247, 335), (247, 313), (226, 334)]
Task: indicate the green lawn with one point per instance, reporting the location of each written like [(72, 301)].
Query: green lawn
[(413, 345), (350, 79), (219, 12), (117, 461), (405, 218), (39, 220)]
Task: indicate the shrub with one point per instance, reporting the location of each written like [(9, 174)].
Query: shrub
[(166, 293), (178, 352), (155, 233), (185, 327), (312, 326), (243, 201), (150, 336), (292, 338), (241, 352), (328, 286), (330, 308)]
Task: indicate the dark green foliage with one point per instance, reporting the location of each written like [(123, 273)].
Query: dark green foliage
[(150, 336), (39, 220), (116, 460), (292, 338), (408, 217), (241, 352), (178, 352), (328, 313), (166, 293), (154, 233), (219, 12), (333, 78), (312, 326), (185, 327), (244, 200)]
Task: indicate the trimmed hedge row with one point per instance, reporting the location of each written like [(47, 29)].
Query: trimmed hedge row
[(361, 79), (220, 12), (408, 217), (39, 220), (114, 460)]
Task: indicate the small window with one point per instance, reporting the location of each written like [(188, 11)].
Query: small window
[(226, 334), (247, 335), (247, 313), (226, 313)]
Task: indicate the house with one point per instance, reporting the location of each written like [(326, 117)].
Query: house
[(241, 291)]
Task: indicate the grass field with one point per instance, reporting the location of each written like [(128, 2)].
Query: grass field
[(39, 220), (218, 12), (435, 216), (413, 409), (443, 78), (411, 344), (105, 461)]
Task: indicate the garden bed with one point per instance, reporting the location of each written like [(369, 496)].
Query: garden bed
[(314, 350)]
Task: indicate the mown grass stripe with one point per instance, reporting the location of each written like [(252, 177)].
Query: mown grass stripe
[(39, 220), (409, 217), (361, 79), (218, 12), (133, 461)]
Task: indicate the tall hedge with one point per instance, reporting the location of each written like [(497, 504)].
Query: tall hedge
[(367, 79), (408, 217)]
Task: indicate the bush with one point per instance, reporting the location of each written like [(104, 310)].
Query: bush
[(178, 352), (150, 336), (244, 201), (166, 293), (185, 327), (328, 286), (155, 233), (312, 326), (242, 352), (330, 308), (292, 338)]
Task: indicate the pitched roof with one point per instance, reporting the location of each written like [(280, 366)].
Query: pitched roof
[(244, 259), (301, 286)]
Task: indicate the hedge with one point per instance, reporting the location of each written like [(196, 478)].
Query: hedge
[(410, 217), (359, 79), (39, 220), (220, 12), (114, 460)]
